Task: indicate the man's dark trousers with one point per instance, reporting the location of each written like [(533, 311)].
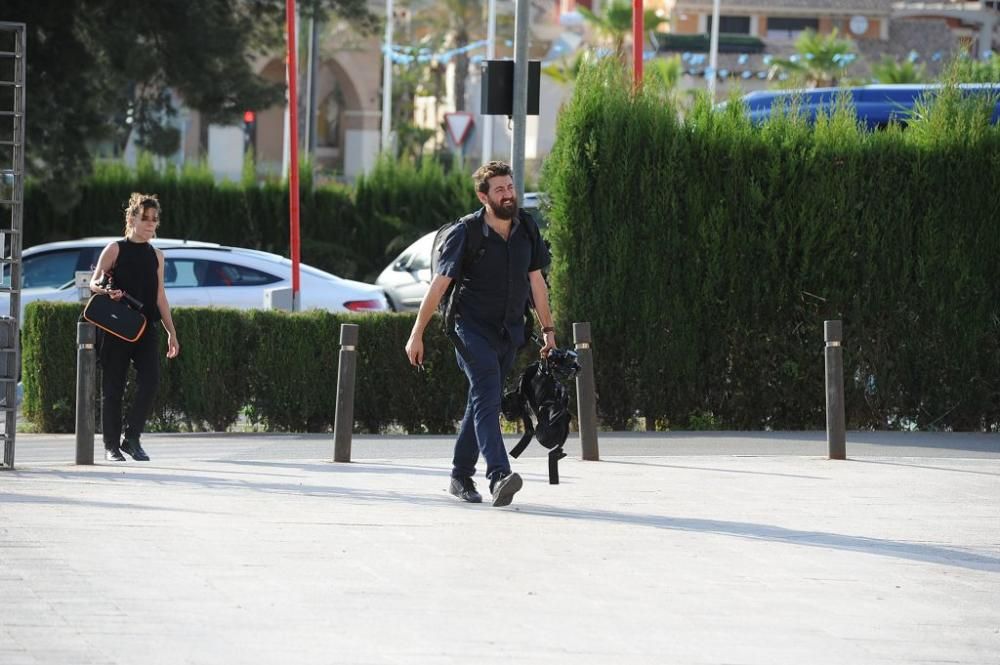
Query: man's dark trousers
[(486, 365)]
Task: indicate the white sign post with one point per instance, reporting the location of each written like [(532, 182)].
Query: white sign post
[(459, 123)]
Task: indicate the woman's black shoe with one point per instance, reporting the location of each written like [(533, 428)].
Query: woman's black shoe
[(113, 455), (132, 447)]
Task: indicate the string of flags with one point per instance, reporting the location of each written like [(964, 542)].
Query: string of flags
[(406, 55), (694, 62)]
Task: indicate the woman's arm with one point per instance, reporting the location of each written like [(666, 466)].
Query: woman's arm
[(109, 255), (173, 346)]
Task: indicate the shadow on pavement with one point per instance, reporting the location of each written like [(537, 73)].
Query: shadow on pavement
[(924, 466), (708, 468), (748, 530), (15, 497)]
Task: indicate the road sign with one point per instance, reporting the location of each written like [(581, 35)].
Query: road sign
[(459, 123)]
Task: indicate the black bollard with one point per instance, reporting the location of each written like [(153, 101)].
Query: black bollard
[(586, 397), (343, 423), (86, 385), (836, 436)]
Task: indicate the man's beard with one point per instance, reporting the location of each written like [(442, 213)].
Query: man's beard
[(504, 208)]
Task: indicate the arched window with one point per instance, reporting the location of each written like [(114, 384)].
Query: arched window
[(328, 118)]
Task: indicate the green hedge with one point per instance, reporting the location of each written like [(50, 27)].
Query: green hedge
[(707, 253), (278, 369), (353, 233)]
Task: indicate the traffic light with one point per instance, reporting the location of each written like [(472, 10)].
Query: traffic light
[(249, 131)]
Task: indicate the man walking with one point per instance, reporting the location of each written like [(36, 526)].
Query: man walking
[(491, 293)]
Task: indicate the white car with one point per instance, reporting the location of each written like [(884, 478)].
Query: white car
[(406, 279), (195, 274)]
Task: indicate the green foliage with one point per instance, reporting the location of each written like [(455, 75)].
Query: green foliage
[(566, 71), (615, 24), (663, 74), (48, 359), (280, 369), (102, 69), (822, 59), (412, 198), (892, 71), (352, 233), (706, 253), (207, 385), (967, 70)]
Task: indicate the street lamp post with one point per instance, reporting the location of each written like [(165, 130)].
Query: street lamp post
[(713, 52), (387, 76), (491, 50), (637, 41)]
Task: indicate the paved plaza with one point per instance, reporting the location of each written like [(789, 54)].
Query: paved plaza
[(710, 548)]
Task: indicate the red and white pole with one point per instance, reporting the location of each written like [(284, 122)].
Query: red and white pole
[(293, 148), (638, 39)]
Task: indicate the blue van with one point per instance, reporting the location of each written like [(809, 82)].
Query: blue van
[(875, 105)]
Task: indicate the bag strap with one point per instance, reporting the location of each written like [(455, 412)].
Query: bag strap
[(530, 225), (473, 237), (555, 455), (135, 303), (470, 254), (529, 431)]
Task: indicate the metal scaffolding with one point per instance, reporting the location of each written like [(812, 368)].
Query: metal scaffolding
[(12, 98)]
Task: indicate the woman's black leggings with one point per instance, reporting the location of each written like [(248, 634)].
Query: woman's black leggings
[(116, 354)]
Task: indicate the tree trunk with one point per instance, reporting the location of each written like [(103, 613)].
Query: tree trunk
[(461, 72)]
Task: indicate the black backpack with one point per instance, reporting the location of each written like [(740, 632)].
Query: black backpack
[(540, 393), (474, 251)]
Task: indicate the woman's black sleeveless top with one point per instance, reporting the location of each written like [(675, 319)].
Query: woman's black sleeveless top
[(137, 273)]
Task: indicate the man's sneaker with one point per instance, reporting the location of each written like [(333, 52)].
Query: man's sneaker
[(132, 447), (504, 487), (465, 489), (113, 455)]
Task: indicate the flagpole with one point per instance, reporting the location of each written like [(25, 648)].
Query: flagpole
[(387, 77), (491, 50), (293, 152)]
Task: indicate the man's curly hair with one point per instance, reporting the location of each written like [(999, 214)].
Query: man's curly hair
[(490, 170)]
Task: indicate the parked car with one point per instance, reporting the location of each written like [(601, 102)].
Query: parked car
[(54, 264), (406, 279), (195, 274), (875, 105)]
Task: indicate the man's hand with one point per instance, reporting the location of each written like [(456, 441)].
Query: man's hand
[(115, 294), (173, 346), (415, 350), (550, 344)]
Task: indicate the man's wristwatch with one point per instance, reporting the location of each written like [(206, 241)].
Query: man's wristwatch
[(547, 329)]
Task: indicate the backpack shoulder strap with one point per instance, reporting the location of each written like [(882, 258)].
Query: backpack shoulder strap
[(473, 236), (530, 225)]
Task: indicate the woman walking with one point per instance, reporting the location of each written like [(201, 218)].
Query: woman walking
[(131, 265)]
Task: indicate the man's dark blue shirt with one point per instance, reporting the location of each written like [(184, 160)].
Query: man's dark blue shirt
[(494, 290)]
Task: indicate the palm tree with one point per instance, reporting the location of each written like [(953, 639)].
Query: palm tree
[(616, 22), (664, 74), (567, 71), (890, 71), (821, 60)]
